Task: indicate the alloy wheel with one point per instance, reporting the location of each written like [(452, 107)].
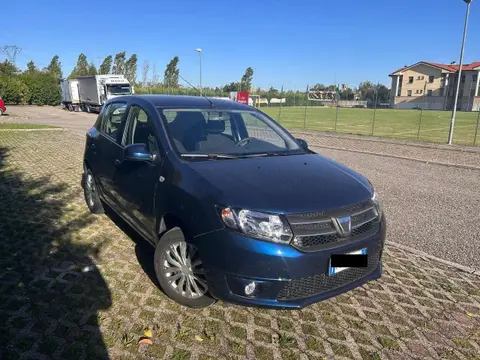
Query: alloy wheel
[(91, 190), (183, 270)]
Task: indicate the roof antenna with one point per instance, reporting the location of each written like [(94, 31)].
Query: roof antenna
[(211, 103)]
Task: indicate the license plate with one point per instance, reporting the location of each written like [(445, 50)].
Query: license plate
[(335, 270)]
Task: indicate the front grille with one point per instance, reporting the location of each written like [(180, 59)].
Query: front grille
[(316, 231), (319, 284)]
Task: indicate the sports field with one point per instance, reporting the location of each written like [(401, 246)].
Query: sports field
[(393, 123)]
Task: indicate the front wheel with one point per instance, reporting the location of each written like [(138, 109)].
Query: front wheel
[(180, 271)]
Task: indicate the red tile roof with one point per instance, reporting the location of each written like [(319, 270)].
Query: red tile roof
[(451, 67)]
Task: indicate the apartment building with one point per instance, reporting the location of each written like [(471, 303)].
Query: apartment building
[(432, 86)]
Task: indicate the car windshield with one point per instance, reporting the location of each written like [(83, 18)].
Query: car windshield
[(118, 89), (226, 134)]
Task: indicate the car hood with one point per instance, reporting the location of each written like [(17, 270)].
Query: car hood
[(284, 184)]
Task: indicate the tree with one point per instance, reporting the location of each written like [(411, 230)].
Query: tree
[(273, 93), (31, 68), (14, 90), (92, 70), (347, 94), (8, 69), (55, 67), (43, 88), (130, 70), (246, 81), (119, 63), (106, 66), (145, 69), (233, 86), (383, 94), (81, 69), (170, 78), (373, 93), (318, 87)]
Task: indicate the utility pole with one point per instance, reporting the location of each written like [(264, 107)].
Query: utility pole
[(454, 111), (199, 50)]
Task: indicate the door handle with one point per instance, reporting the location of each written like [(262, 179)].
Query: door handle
[(117, 162)]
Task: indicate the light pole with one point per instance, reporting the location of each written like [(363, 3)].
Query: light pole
[(454, 111), (200, 54)]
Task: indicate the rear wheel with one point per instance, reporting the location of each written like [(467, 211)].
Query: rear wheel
[(180, 271), (91, 194), (1, 112)]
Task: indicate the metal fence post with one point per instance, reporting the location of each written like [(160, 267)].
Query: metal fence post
[(476, 128), (280, 108), (419, 124), (336, 117), (306, 105)]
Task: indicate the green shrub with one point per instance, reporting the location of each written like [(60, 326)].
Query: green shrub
[(13, 90), (44, 88)]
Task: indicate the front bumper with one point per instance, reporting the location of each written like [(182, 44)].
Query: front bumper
[(285, 277)]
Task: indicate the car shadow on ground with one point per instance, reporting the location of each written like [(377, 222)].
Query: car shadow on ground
[(50, 289), (143, 250)]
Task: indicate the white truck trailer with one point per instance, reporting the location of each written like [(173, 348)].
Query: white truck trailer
[(94, 90), (70, 98)]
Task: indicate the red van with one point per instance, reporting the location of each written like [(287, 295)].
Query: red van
[(2, 106)]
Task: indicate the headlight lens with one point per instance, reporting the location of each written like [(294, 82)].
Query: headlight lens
[(257, 224), (378, 205)]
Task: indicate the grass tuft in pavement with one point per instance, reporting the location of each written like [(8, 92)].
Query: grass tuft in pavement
[(15, 126)]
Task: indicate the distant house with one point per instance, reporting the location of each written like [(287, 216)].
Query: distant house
[(428, 85)]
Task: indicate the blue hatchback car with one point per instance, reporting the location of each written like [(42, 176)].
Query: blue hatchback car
[(235, 207)]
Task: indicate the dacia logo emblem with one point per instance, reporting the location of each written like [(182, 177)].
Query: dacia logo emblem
[(343, 225)]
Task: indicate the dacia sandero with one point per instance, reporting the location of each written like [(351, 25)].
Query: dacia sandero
[(234, 206)]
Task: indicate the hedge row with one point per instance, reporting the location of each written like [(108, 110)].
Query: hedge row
[(33, 89)]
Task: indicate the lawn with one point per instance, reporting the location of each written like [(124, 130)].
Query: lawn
[(393, 123), (14, 126)]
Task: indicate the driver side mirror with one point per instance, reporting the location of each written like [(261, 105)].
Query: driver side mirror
[(303, 144), (137, 152)]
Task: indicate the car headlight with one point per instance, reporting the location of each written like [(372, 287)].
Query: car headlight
[(257, 224), (378, 205)]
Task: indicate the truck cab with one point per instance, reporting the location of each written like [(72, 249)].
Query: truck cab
[(116, 87)]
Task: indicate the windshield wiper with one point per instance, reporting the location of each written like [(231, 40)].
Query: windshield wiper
[(267, 154), (210, 156)]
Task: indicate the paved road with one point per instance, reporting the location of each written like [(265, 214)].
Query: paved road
[(78, 123), (433, 208)]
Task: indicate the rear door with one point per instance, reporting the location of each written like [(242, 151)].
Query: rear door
[(109, 150)]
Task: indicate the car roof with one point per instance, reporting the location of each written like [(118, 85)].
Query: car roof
[(172, 101)]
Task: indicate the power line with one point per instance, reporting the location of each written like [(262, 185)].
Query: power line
[(11, 51)]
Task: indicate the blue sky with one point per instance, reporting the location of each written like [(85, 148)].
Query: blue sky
[(289, 43)]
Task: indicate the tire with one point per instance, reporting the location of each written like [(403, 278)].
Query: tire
[(88, 109), (192, 291), (1, 112), (90, 191)]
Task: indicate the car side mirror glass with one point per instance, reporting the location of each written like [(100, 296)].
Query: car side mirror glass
[(137, 152), (303, 144)]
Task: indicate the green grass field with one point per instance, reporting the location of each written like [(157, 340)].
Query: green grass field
[(392, 123)]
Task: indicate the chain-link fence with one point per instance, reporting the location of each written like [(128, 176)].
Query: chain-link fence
[(406, 120)]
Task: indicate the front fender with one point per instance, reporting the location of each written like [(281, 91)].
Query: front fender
[(187, 200)]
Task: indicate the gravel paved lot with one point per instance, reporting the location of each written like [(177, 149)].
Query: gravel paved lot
[(78, 286), (430, 207)]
